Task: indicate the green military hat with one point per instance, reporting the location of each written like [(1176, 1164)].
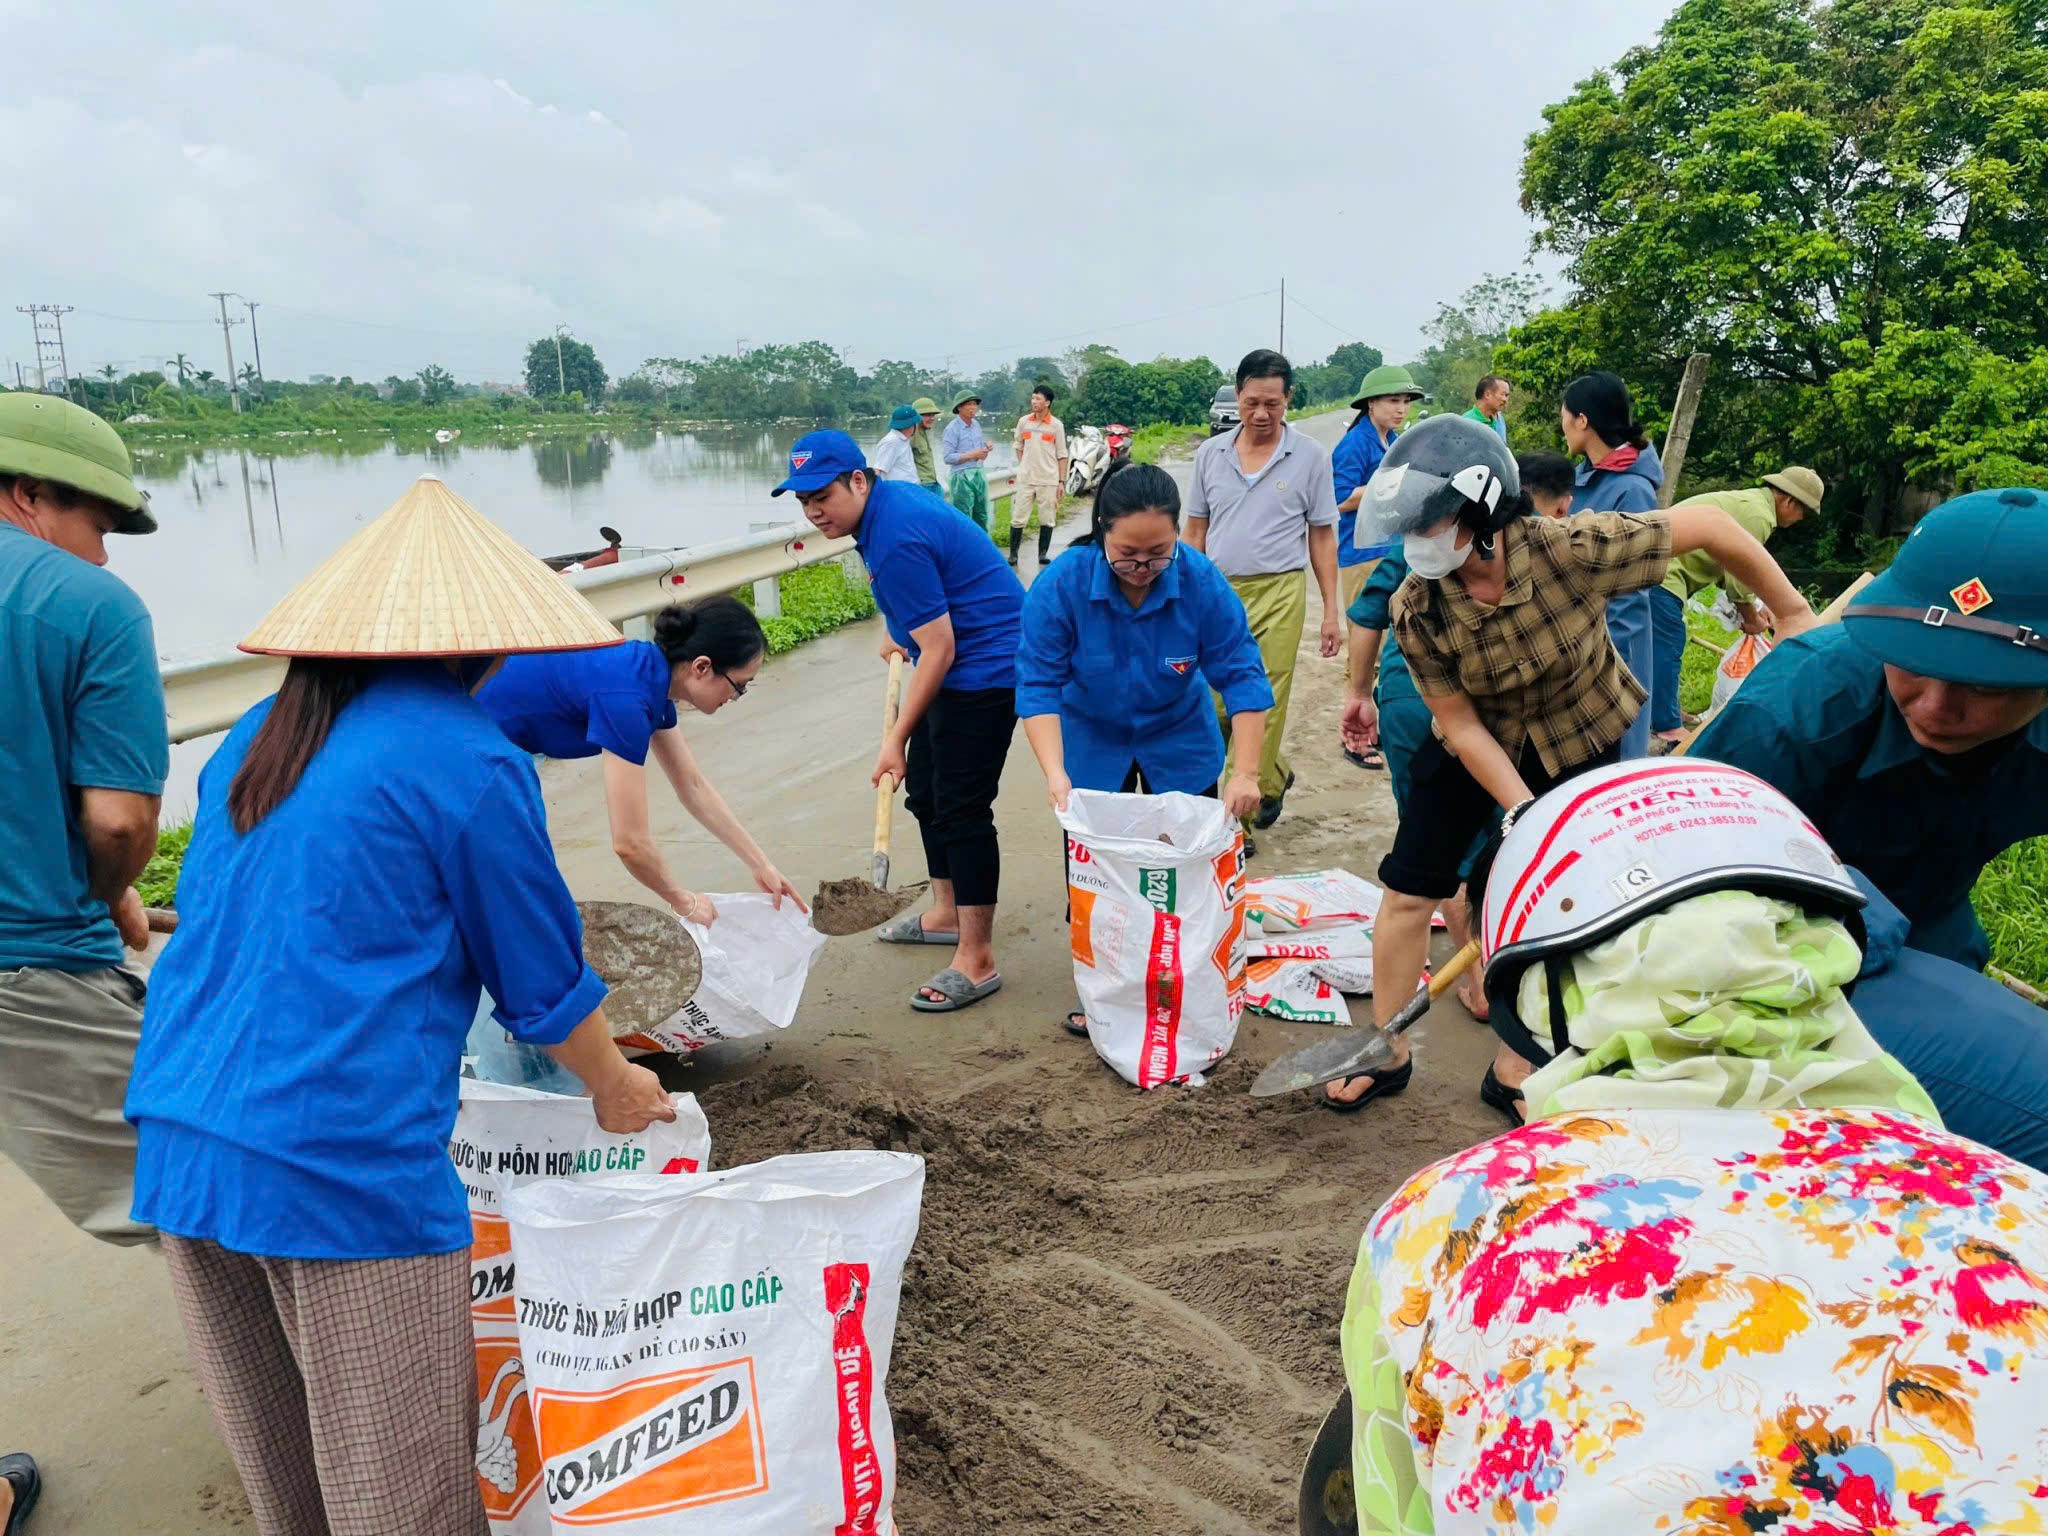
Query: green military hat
[(925, 405), (1966, 598), (51, 439), (964, 396), (1387, 379)]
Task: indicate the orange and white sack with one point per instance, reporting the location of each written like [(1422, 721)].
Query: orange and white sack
[(506, 1137), (707, 1355), (1741, 660), (1291, 990), (1340, 941), (1155, 888), (756, 960), (1302, 903)]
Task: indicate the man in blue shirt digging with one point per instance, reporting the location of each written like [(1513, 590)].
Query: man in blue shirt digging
[(954, 607)]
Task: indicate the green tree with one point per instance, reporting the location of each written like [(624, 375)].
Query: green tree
[(1845, 206), (402, 391), (637, 389), (578, 371), (436, 384)]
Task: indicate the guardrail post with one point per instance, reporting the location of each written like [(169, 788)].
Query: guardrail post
[(768, 590)]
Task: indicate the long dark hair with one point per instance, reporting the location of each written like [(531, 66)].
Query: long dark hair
[(1603, 400), (723, 630), (1130, 487), (314, 693)]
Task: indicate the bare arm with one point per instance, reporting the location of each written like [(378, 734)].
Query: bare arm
[(1473, 745), (1352, 502), (1322, 559), (1363, 661), (1737, 552), (936, 649), (627, 1098), (1049, 747), (625, 798), (1194, 532), (119, 828)]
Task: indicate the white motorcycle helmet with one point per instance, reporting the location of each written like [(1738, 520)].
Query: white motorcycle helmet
[(1614, 845)]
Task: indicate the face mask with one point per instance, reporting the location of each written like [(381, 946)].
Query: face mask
[(1433, 556)]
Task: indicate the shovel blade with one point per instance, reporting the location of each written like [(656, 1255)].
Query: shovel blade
[(1329, 1501), (846, 907), (1325, 1062)]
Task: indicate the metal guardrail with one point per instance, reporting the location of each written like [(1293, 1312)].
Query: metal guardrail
[(210, 693)]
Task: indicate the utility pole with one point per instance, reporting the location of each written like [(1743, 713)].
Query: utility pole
[(234, 386), (561, 378), (255, 340), (1283, 314), (49, 336)]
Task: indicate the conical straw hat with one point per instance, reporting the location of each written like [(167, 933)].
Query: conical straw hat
[(431, 577)]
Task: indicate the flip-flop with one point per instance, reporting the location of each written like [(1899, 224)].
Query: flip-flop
[(956, 991), (1076, 1024), (910, 929), (1390, 1082), (1498, 1095), (19, 1470)]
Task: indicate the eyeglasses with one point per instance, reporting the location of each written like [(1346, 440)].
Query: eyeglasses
[(1140, 567), (739, 689)]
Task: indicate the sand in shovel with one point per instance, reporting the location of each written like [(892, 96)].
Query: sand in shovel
[(844, 907), (645, 957)]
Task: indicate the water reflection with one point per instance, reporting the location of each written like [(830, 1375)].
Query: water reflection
[(571, 461)]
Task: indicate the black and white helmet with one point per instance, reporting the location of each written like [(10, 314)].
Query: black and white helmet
[(1445, 467)]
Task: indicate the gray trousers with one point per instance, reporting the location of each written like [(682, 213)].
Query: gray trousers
[(67, 1045)]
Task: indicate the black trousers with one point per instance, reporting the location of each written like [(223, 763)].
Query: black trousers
[(955, 765), (1447, 808)]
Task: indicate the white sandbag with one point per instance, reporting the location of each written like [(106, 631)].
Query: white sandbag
[(1327, 898), (1343, 941), (1741, 660), (1352, 977), (1155, 884), (506, 1137), (1291, 990), (756, 960), (707, 1355)]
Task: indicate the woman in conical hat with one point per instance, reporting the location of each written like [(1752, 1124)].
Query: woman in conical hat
[(369, 851)]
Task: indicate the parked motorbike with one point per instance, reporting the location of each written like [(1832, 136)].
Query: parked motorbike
[(1118, 436), (1087, 459)]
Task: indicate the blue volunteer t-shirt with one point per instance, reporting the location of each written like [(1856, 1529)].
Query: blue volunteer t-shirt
[(927, 560), (295, 1086), (579, 703), (1352, 462), (81, 707)]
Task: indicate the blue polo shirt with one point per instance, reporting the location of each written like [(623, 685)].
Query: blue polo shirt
[(1132, 684), (579, 703), (1352, 461), (926, 560), (81, 707), (1816, 720), (295, 1086)]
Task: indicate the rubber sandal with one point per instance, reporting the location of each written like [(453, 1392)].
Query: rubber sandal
[(956, 992), (1369, 758), (909, 929), (1076, 1024), (1498, 1095), (1386, 1083), (19, 1470)]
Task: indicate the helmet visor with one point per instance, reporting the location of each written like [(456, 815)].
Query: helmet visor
[(1401, 499)]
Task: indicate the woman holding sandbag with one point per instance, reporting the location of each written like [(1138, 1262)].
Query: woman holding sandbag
[(1124, 637), (369, 852), (620, 705)]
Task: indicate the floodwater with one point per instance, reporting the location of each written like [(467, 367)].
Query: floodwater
[(241, 523)]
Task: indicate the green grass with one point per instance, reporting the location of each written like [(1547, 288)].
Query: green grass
[(815, 600), (158, 884), (1150, 443), (1696, 671), (2012, 903)]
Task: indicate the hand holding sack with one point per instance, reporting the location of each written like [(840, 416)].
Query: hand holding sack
[(1741, 660), (707, 1355), (506, 1137), (1155, 884), (756, 959)]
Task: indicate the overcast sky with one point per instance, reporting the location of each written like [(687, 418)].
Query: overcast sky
[(441, 182)]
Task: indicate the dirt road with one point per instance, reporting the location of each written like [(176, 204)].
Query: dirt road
[(1122, 1311)]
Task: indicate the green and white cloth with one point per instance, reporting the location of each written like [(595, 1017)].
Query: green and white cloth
[(1749, 992)]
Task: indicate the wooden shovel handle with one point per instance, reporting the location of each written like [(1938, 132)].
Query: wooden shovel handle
[(885, 792)]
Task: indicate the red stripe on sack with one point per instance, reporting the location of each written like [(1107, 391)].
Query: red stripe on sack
[(1542, 885), (860, 1469), (1556, 826), (1164, 985)]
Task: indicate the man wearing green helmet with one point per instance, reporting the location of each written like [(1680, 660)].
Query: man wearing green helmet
[(1914, 732), (84, 750), (921, 442)]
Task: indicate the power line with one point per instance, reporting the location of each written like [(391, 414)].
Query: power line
[(49, 341), (227, 338), (1333, 325)]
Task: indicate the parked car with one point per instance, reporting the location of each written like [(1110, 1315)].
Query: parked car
[(1223, 410)]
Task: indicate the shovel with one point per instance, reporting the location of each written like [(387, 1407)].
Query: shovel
[(1328, 1060), (844, 907), (646, 960), (1329, 1500)]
